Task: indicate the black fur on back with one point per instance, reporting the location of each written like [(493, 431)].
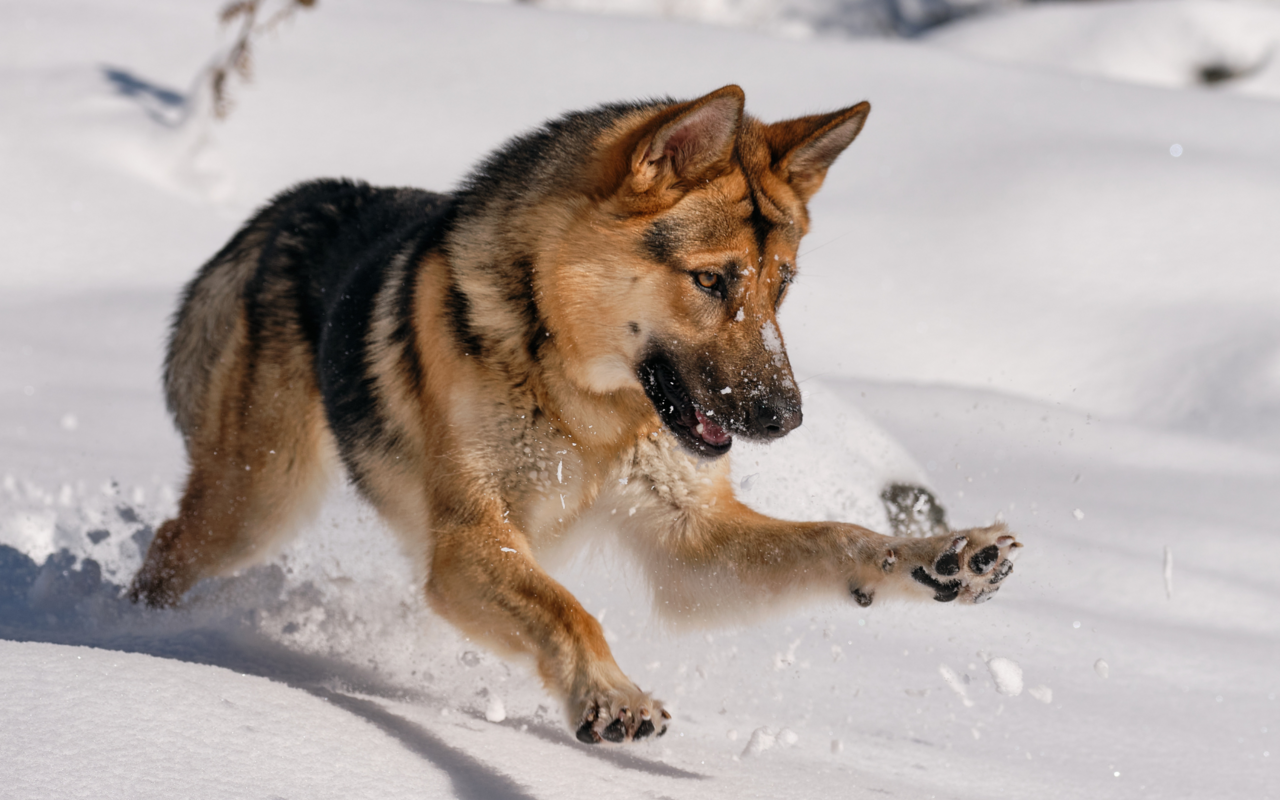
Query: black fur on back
[(332, 248), (310, 267)]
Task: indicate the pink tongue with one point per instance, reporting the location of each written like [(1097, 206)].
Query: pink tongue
[(710, 432)]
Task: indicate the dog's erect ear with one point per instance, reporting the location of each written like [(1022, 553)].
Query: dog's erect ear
[(688, 141), (804, 148)]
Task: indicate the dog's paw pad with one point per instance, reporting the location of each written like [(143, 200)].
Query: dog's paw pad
[(587, 730), (1001, 572), (861, 597), (984, 559), (949, 562), (942, 592), (614, 732), (606, 719), (967, 566)]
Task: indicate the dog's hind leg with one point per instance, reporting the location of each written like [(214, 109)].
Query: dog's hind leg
[(259, 462)]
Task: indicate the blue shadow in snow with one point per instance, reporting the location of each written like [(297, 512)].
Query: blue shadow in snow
[(161, 104), (67, 601)]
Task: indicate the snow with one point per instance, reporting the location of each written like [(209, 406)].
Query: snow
[(1042, 693), (84, 722), (494, 710), (1007, 675), (1172, 43), (1014, 292), (956, 683), (761, 739)]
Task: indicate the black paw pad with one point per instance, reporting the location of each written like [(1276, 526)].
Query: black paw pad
[(1001, 571), (943, 592), (862, 598), (949, 564), (586, 734), (614, 732), (984, 558), (645, 729)]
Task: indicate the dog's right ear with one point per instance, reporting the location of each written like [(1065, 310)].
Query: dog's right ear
[(685, 143)]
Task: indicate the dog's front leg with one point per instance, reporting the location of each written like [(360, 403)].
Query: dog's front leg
[(485, 580), (720, 559)]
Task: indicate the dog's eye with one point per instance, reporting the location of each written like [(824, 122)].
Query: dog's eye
[(782, 290), (710, 282)]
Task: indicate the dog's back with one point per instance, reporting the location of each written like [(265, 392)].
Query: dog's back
[(309, 249)]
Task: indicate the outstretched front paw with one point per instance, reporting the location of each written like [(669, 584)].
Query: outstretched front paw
[(620, 716), (968, 566)]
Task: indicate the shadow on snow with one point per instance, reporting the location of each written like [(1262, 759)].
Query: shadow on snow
[(62, 602)]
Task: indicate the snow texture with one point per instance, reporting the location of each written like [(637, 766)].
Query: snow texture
[(1007, 675), (1042, 693), (956, 683), (1015, 292)]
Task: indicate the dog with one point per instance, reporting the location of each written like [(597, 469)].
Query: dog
[(581, 329)]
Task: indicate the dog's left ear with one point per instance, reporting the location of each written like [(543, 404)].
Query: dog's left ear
[(804, 148), (687, 141)]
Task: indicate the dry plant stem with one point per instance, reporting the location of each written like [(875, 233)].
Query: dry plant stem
[(239, 57)]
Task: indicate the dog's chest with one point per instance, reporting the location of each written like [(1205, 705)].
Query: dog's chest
[(545, 480)]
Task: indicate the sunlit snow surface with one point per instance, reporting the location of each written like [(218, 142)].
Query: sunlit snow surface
[(1013, 292)]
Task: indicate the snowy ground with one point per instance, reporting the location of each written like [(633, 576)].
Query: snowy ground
[(1013, 289)]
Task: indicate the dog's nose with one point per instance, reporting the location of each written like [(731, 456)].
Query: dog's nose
[(772, 420)]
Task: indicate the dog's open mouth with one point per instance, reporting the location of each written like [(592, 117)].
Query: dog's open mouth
[(693, 426)]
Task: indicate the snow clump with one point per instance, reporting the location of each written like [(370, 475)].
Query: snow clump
[(1007, 675)]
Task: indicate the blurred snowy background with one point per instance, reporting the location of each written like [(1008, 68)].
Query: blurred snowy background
[(1045, 280)]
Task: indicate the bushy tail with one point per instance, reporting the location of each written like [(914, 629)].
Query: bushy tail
[(205, 323)]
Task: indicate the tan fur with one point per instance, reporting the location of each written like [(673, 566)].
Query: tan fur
[(503, 451)]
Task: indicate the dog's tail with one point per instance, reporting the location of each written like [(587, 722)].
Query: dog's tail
[(205, 323)]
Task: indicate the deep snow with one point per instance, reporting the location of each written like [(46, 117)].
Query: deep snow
[(1013, 291)]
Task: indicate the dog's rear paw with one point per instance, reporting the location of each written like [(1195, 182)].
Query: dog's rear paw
[(913, 511), (620, 716), (968, 566)]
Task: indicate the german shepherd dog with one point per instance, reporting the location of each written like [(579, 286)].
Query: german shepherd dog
[(572, 338)]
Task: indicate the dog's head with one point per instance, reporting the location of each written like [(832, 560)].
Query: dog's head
[(673, 267)]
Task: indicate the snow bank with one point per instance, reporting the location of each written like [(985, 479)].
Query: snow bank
[(1227, 44), (83, 722)]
